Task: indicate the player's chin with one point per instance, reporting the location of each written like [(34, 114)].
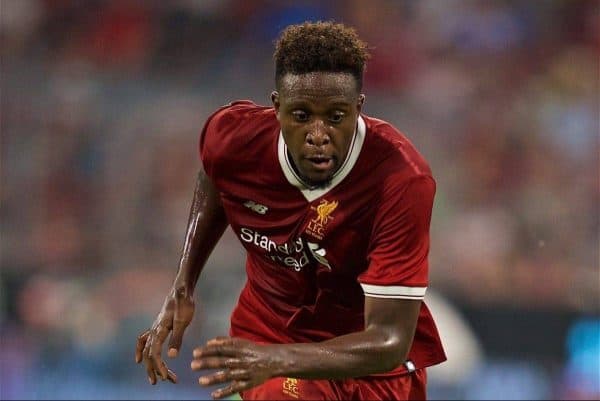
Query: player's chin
[(319, 179)]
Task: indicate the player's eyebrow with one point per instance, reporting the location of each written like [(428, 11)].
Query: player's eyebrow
[(341, 104), (307, 103)]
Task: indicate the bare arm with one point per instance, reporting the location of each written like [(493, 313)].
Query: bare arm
[(382, 346), (206, 225)]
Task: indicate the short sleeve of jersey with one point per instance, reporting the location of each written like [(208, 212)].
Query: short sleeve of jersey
[(217, 140), (399, 246)]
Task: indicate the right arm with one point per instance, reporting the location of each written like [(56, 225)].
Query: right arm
[(206, 225)]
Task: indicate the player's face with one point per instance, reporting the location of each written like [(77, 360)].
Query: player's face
[(318, 113)]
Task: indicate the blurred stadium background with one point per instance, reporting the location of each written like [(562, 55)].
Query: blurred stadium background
[(101, 106)]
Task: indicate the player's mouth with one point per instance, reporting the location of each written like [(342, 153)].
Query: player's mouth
[(321, 163)]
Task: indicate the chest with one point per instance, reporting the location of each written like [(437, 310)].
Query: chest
[(280, 226)]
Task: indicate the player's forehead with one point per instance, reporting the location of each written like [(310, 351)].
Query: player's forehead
[(330, 86)]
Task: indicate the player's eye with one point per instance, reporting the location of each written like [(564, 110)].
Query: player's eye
[(300, 115), (336, 117)]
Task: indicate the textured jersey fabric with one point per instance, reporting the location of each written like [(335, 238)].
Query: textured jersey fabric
[(313, 254)]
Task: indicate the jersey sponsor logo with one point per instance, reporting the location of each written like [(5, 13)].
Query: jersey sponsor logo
[(256, 207), (319, 254), (316, 226), (290, 387), (290, 254)]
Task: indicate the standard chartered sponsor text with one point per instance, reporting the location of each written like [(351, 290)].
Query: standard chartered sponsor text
[(291, 254)]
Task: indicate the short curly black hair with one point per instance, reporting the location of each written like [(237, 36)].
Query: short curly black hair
[(320, 47)]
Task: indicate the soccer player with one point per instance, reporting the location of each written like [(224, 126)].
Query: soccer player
[(333, 208)]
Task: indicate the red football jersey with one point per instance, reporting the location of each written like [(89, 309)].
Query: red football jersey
[(314, 254)]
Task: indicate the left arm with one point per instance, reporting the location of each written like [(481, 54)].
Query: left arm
[(382, 346)]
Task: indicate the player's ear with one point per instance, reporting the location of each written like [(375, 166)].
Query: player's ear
[(361, 101), (275, 100)]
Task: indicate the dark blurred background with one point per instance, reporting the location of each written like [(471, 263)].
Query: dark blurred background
[(101, 106)]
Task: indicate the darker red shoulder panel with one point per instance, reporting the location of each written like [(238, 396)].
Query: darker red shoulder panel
[(220, 131)]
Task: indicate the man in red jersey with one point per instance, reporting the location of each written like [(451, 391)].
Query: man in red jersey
[(333, 208)]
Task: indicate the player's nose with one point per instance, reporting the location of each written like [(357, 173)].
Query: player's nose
[(317, 135)]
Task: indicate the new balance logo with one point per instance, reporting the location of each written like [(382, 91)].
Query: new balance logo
[(319, 254), (256, 207)]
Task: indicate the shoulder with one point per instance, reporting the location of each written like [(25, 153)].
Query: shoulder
[(236, 111), (230, 129), (237, 119), (397, 159)]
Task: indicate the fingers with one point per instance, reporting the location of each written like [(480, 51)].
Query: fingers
[(152, 378), (172, 377), (239, 363), (152, 354), (176, 339), (220, 346), (141, 351), (224, 376), (141, 343), (219, 340), (175, 316), (216, 363), (150, 371), (179, 326), (166, 373), (155, 351), (183, 313)]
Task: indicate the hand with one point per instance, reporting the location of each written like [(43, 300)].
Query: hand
[(176, 314), (241, 363)]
